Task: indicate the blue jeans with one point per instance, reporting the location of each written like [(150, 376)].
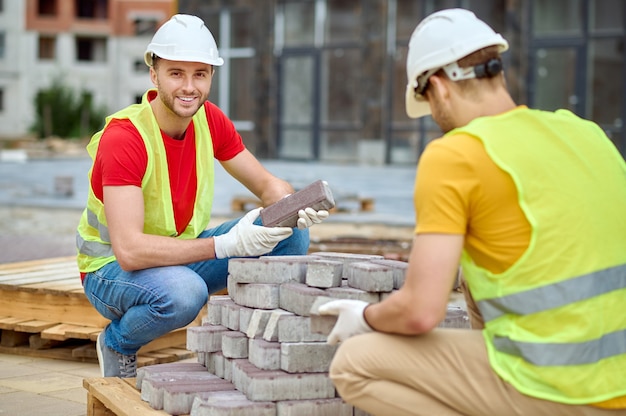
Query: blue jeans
[(146, 304)]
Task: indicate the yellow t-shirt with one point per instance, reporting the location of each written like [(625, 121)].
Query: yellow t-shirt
[(460, 190)]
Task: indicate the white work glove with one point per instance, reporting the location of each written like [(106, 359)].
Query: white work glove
[(247, 239), (350, 321), (308, 217)]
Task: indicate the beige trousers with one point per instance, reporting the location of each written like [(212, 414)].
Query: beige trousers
[(444, 372)]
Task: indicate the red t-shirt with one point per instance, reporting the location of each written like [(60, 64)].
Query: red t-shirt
[(121, 158)]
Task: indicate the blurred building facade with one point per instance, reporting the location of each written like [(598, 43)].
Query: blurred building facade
[(318, 79), (94, 46)]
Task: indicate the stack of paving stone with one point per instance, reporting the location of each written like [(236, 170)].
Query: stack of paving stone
[(262, 349)]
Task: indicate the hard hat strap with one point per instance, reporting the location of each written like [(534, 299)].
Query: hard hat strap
[(489, 69)]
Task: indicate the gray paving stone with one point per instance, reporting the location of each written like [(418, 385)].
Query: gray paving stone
[(234, 344), (318, 407), (258, 322), (178, 398), (215, 363), (298, 297), (205, 338), (264, 355), (346, 258), (294, 328), (245, 314), (230, 315), (324, 273), (154, 386), (399, 270), (186, 367), (370, 277), (306, 357), (214, 309), (347, 292), (262, 385), (230, 404), (284, 212), (255, 295), (271, 328), (268, 269)]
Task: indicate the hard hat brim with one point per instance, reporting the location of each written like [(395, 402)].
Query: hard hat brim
[(416, 106), (209, 61)]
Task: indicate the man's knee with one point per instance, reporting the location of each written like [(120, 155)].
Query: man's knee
[(342, 368), (296, 244)]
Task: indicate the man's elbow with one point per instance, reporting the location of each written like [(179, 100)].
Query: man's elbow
[(126, 260), (420, 323)]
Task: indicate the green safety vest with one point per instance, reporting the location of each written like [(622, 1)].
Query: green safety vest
[(92, 239), (555, 321)]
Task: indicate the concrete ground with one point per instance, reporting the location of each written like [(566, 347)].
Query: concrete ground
[(41, 386), (40, 207)]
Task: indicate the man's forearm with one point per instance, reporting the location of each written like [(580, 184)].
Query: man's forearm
[(156, 251)]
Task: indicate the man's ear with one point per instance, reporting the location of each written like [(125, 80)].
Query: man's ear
[(439, 87), (153, 77)]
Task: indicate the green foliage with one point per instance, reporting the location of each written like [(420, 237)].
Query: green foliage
[(63, 113)]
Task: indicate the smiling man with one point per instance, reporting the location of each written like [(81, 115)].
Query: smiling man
[(147, 260)]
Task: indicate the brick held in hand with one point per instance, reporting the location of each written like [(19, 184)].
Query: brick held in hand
[(284, 213)]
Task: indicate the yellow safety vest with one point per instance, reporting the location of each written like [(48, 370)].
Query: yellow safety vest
[(92, 239), (555, 321)]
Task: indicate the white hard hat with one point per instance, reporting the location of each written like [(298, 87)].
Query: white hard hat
[(443, 38), (184, 38)]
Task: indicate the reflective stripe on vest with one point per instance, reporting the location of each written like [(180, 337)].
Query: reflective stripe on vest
[(95, 248), (555, 295), (103, 230), (556, 354)]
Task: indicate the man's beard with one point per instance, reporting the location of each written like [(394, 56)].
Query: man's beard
[(169, 101)]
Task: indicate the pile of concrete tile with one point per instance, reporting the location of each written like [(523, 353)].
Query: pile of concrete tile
[(264, 345)]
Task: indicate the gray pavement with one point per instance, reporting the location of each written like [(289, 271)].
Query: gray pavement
[(62, 183)]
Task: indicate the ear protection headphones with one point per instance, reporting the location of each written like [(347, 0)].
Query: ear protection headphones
[(489, 69)]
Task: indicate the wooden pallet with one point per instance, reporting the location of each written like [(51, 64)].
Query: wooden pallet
[(44, 312), (112, 396)]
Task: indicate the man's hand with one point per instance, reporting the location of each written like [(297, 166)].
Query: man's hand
[(308, 217), (246, 239), (350, 321)]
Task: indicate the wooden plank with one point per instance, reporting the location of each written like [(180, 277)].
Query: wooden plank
[(72, 283), (7, 268), (65, 308), (37, 343), (41, 275), (41, 279), (10, 322), (13, 338), (96, 408), (59, 332), (58, 353), (34, 326), (119, 397), (83, 332)]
